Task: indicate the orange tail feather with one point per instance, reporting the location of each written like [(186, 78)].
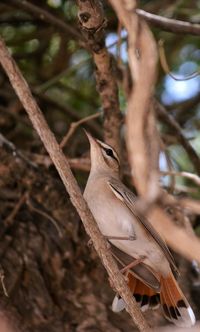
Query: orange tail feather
[(144, 296), (174, 304)]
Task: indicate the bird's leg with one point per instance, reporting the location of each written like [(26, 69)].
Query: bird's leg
[(108, 237), (126, 268), (129, 238), (132, 264)]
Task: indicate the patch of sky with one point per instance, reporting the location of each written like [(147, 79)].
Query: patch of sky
[(80, 63), (163, 166), (111, 44), (79, 57), (187, 52), (179, 161), (163, 162), (177, 91), (196, 55)]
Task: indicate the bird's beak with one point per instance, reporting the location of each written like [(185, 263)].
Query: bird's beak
[(91, 139)]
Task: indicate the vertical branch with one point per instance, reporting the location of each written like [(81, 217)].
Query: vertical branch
[(92, 21), (142, 61), (39, 123), (152, 139)]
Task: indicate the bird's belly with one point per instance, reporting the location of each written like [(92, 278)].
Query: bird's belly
[(142, 247), (112, 225)]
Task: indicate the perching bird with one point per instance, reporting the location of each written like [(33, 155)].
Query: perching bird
[(133, 239)]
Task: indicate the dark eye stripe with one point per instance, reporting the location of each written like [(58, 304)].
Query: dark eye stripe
[(110, 153), (108, 150)]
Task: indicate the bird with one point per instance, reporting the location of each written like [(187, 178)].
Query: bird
[(141, 253)]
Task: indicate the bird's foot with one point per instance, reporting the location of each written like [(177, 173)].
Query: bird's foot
[(132, 264)]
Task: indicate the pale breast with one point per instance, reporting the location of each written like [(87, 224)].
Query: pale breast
[(115, 219)]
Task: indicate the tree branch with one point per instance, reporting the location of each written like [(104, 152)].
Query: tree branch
[(142, 61), (168, 24), (92, 21), (45, 16), (11, 147), (39, 123), (166, 69), (75, 125), (166, 227), (143, 71), (193, 177)]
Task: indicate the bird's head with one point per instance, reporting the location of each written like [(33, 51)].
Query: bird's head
[(103, 157)]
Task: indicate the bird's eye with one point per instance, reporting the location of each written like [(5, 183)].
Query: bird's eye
[(109, 152)]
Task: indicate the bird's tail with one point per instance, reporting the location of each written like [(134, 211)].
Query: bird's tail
[(145, 296), (174, 304)]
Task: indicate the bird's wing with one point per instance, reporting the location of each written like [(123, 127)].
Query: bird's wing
[(141, 271), (129, 199)]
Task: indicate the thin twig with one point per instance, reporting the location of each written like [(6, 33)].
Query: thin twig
[(45, 16), (169, 164), (165, 116), (15, 210), (75, 125), (179, 188), (72, 113), (169, 24), (183, 106), (166, 68), (39, 123), (11, 147), (190, 204), (44, 214), (195, 178), (2, 276), (44, 86)]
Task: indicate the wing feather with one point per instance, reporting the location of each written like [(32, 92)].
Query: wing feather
[(129, 199)]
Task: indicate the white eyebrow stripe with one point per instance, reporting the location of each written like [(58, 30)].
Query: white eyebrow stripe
[(106, 146)]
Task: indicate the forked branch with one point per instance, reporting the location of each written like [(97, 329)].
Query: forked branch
[(39, 123)]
